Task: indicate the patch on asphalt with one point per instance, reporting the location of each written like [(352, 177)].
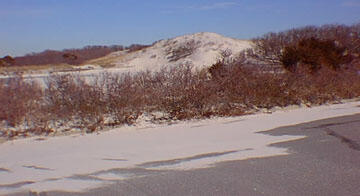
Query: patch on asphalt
[(107, 159), (84, 177), (233, 121), (127, 172), (181, 160)]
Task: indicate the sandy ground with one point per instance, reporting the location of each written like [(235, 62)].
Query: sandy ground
[(80, 162)]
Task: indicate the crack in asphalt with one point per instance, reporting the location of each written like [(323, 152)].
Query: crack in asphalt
[(332, 124), (350, 143), (15, 185), (5, 170), (37, 167)]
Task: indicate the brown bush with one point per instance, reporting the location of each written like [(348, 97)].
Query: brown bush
[(20, 102), (124, 97), (271, 48), (184, 94), (314, 53), (71, 98), (251, 87), (72, 102)]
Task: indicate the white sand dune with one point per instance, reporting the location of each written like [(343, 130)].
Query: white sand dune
[(80, 162), (202, 50)]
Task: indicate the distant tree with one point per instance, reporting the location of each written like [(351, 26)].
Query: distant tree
[(72, 56), (69, 57), (7, 61)]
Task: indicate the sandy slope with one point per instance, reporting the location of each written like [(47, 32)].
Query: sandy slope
[(75, 163), (206, 50)]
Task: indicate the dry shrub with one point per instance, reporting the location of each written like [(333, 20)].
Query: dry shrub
[(18, 99), (183, 93), (179, 93), (69, 98), (124, 97), (324, 86), (20, 102), (330, 54), (314, 54), (251, 87), (270, 47)]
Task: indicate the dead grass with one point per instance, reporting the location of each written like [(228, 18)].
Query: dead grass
[(33, 68), (105, 62)]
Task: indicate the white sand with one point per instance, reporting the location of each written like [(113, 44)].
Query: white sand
[(207, 51), (59, 158)]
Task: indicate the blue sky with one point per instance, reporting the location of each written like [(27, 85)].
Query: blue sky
[(35, 25)]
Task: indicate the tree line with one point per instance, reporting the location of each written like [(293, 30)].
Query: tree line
[(68, 56)]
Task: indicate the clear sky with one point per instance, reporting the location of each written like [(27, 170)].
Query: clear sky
[(35, 25)]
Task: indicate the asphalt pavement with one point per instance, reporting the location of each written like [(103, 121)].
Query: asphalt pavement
[(326, 162)]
